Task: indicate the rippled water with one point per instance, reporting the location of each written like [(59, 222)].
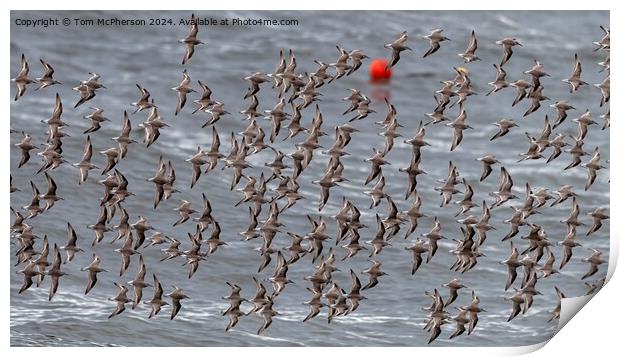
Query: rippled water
[(393, 313)]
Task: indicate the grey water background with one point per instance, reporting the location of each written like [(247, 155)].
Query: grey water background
[(393, 314)]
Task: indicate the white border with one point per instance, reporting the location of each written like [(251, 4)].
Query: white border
[(591, 330)]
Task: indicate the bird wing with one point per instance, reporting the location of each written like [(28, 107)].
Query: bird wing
[(395, 58), (176, 307)]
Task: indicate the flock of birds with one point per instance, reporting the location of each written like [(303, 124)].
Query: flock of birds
[(296, 92)]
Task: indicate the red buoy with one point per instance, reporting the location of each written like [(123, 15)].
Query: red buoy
[(378, 70)]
